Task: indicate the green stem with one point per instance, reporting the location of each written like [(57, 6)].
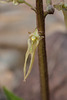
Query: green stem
[(42, 51), (30, 6)]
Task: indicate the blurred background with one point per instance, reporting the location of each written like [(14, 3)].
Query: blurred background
[(15, 23)]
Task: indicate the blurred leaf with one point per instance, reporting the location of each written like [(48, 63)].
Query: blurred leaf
[(15, 2), (62, 7), (10, 95), (58, 6), (21, 1)]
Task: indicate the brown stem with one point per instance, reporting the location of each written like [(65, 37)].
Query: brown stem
[(42, 51)]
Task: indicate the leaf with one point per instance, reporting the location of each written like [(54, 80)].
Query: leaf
[(62, 7), (10, 95), (21, 1), (15, 2), (58, 7)]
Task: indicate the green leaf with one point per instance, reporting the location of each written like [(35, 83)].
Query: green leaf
[(16, 2), (21, 1), (10, 95), (58, 6), (62, 7)]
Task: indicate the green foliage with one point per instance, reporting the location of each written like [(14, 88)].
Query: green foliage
[(10, 95), (21, 1), (15, 2), (62, 7)]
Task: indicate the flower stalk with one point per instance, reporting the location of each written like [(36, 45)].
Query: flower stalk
[(42, 51)]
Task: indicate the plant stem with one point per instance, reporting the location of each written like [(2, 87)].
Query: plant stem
[(30, 6), (42, 51)]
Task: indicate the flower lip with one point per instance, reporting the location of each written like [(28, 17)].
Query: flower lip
[(33, 38)]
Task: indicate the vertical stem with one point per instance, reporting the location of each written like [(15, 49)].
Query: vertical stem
[(42, 51)]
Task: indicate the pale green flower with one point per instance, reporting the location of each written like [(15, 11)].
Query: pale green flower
[(33, 42)]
